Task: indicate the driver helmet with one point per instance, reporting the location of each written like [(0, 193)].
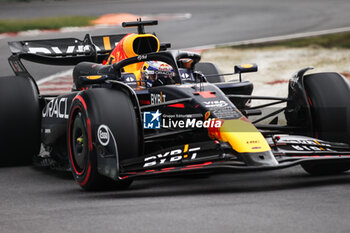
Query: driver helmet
[(155, 73)]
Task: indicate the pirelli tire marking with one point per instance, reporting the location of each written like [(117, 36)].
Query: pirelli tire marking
[(103, 135)]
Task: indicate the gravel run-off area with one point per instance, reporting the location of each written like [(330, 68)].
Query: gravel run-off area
[(277, 64)]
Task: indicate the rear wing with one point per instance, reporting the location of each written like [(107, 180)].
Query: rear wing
[(65, 51)]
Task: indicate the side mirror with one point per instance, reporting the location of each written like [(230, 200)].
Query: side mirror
[(93, 79), (246, 68)]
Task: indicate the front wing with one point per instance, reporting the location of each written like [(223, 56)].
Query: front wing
[(218, 157)]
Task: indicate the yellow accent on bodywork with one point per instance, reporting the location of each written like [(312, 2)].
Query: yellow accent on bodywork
[(242, 136), (247, 66), (319, 144), (107, 43), (186, 148), (128, 45), (128, 48), (206, 115), (94, 77)]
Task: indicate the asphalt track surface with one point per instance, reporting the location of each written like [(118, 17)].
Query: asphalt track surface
[(36, 200)]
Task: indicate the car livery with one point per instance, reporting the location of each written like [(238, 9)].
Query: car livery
[(112, 128)]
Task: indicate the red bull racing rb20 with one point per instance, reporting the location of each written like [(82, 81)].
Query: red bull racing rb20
[(138, 109)]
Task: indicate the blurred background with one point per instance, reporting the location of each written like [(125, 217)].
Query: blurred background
[(183, 23)]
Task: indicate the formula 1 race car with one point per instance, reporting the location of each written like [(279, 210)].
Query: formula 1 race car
[(125, 119)]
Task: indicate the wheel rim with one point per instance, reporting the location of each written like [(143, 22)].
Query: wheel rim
[(79, 142)]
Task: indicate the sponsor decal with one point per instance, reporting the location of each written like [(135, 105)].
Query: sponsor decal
[(306, 142), (141, 57), (253, 142), (226, 112), (186, 77), (215, 104), (172, 156), (57, 108), (307, 145), (103, 135), (47, 131), (310, 148), (56, 50), (69, 49), (188, 85), (164, 72), (129, 79), (151, 120), (158, 98)]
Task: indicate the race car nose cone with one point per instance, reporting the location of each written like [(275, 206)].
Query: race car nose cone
[(259, 159)]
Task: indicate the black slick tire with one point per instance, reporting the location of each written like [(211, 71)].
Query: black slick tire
[(329, 98), (90, 109), (20, 120), (208, 68)]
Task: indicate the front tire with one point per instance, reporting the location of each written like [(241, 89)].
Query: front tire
[(208, 68), (329, 99), (90, 109)]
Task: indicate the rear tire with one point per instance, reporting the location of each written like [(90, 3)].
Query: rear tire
[(329, 98), (208, 68), (20, 120), (93, 108)]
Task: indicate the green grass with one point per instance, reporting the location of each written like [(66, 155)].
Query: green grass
[(338, 40), (14, 0), (17, 25), (25, 1)]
